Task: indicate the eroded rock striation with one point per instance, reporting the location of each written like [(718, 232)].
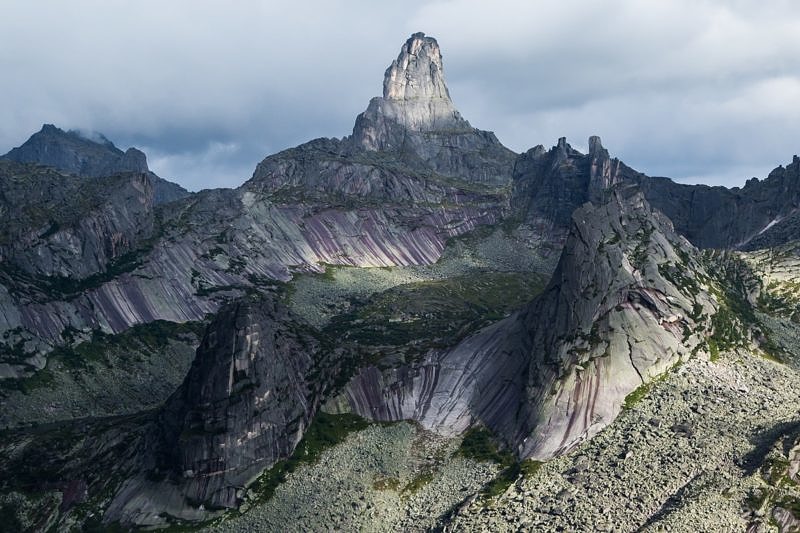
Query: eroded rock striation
[(245, 403), (617, 313), (629, 300), (255, 384), (86, 255), (61, 234), (412, 175), (326, 202)]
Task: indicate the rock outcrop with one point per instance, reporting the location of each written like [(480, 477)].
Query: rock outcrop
[(84, 253), (412, 175), (91, 156), (415, 98), (246, 401), (716, 217), (74, 153), (66, 227), (622, 308), (61, 236), (416, 118), (550, 184), (212, 247), (629, 300), (411, 145), (326, 202), (253, 388)]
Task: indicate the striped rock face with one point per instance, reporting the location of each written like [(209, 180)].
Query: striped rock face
[(336, 202), (616, 314)]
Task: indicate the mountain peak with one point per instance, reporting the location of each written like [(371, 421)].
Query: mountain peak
[(84, 154), (416, 117), (89, 154), (52, 133), (595, 145), (417, 72), (415, 99)]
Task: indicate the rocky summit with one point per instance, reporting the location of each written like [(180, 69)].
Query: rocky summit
[(89, 155), (407, 328), (417, 118)]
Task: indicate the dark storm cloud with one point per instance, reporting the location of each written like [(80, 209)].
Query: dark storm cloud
[(694, 89)]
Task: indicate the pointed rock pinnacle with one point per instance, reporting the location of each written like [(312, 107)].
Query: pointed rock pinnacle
[(417, 72)]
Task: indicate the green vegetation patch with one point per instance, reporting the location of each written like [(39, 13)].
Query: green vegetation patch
[(479, 444), (434, 314), (735, 320), (419, 481), (642, 390), (636, 396), (386, 483), (791, 504), (41, 379), (676, 274), (639, 256), (121, 265), (325, 431), (143, 340), (504, 479)]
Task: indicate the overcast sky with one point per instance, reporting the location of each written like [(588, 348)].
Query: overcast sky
[(698, 90)]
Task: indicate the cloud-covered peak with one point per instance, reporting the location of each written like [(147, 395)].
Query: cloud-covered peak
[(89, 154)]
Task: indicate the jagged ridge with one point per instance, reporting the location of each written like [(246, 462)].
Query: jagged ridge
[(89, 156)]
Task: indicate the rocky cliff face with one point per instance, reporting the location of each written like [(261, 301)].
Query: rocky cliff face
[(412, 175), (410, 146), (92, 157), (76, 154), (213, 247), (255, 384), (550, 184), (61, 234), (629, 300), (416, 118), (717, 217), (622, 308), (67, 227), (329, 171), (246, 402), (415, 98), (327, 202)]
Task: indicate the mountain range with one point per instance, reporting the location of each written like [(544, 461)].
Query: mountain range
[(198, 360)]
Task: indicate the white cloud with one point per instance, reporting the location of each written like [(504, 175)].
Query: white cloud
[(215, 165)]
